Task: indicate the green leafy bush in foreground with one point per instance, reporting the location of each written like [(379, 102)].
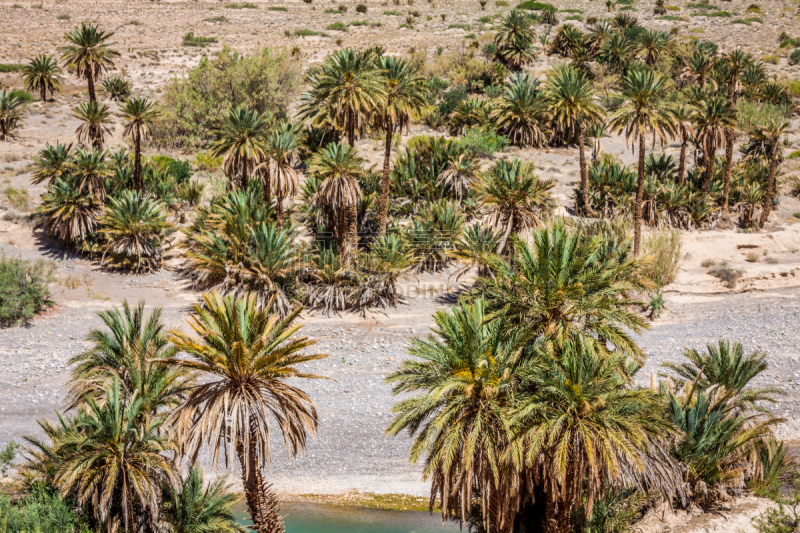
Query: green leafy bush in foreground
[(23, 289), (40, 513)]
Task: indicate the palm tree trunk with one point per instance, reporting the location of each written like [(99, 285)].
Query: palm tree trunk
[(261, 502), (268, 186), (383, 213), (43, 93), (767, 205), (137, 160), (709, 155), (352, 216), (682, 160), (565, 509), (351, 129), (729, 138), (90, 84), (279, 211), (587, 209), (637, 214)]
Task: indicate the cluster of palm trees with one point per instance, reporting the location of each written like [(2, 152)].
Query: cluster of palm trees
[(524, 411), (143, 414)]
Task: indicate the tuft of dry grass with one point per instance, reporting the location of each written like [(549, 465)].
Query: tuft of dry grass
[(729, 276), (664, 249)]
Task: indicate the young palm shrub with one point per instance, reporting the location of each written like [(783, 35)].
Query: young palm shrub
[(660, 8), (517, 112), (469, 113), (89, 54), (282, 146), (135, 227), (476, 248), (42, 74), (194, 508), (69, 215), (117, 88), (116, 459), (431, 236), (516, 199), (459, 391), (459, 176), (138, 115), (644, 110), (616, 51), (52, 163), (562, 286), (245, 352), (11, 106), (124, 351), (241, 140), (93, 116), (653, 45), (515, 40)]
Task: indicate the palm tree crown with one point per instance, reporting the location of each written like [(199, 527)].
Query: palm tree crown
[(42, 74), (89, 53), (241, 139), (138, 114)]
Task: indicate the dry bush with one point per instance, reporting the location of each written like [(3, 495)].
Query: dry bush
[(729, 276), (664, 249)]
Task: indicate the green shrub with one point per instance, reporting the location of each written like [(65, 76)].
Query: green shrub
[(625, 2), (309, 33), (10, 67), (193, 104), (672, 8), (43, 512), (277, 8), (628, 8), (217, 19), (459, 27), (664, 247), (772, 59), (671, 18), (23, 289), (361, 8), (501, 3), (246, 5), (63, 17), (330, 11), (782, 519), (336, 26), (701, 5), (532, 5), (725, 14), (23, 95), (573, 17), (190, 39), (754, 115), (18, 198), (393, 13), (794, 88), (747, 21), (794, 57), (790, 43), (579, 11), (483, 141)]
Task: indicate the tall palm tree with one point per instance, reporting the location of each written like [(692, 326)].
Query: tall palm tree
[(516, 198), (406, 96), (712, 117), (571, 102), (462, 385), (518, 111), (339, 168), (585, 430), (564, 290), (654, 44), (90, 169), (93, 116), (770, 136), (282, 145), (698, 67), (138, 114), (241, 138), (115, 460), (616, 51), (70, 215), (515, 39), (197, 509), (683, 119), (644, 110), (246, 353), (42, 74), (89, 53), (51, 163), (11, 106), (348, 85), (735, 64), (125, 351)]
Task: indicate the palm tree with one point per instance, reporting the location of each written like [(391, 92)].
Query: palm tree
[(712, 118), (570, 100), (653, 44), (725, 364), (586, 430), (246, 354), (125, 351), (69, 214), (89, 54), (138, 114), (516, 198), (644, 110), (42, 74), (406, 96), (698, 67), (91, 170), (115, 460), (11, 106), (683, 119), (51, 163), (350, 87), (515, 40), (518, 112), (735, 64), (339, 168), (241, 139), (770, 136), (564, 290), (282, 145), (194, 508), (459, 175), (462, 389), (94, 116), (616, 51)]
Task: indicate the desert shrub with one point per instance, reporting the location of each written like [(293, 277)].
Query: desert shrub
[(747, 21), (309, 33), (23, 289), (190, 39), (192, 105), (459, 27), (794, 57), (532, 5), (336, 26), (664, 249), (10, 67), (361, 8), (393, 13), (483, 141), (204, 161), (785, 518), (794, 88), (729, 276), (671, 18), (220, 18), (752, 115), (18, 198), (22, 95), (277, 8), (40, 512), (789, 42), (117, 88), (246, 5), (501, 3), (725, 14)]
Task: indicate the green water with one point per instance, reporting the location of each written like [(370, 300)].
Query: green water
[(319, 518)]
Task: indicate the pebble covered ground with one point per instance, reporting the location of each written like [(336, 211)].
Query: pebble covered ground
[(351, 451)]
